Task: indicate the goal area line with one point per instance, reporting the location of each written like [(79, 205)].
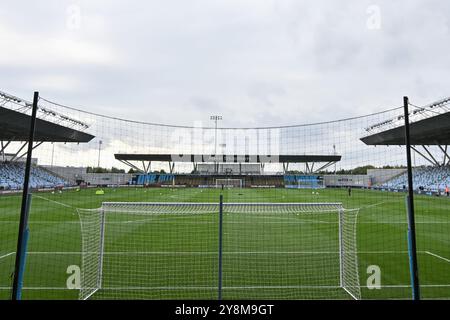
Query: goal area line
[(292, 220), (232, 287), (213, 253)]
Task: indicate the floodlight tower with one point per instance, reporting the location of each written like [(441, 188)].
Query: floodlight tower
[(99, 149), (334, 152), (215, 118)]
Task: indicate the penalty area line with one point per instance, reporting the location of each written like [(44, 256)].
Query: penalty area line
[(7, 255), (214, 252), (55, 202), (373, 205), (207, 252), (232, 287), (437, 256)]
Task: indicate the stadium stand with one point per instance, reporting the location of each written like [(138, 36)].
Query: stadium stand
[(12, 175), (205, 180), (230, 168), (433, 179)]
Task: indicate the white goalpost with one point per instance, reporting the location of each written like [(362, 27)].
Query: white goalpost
[(229, 183), (147, 250)]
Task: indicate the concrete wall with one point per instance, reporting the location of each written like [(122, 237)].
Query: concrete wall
[(380, 176), (73, 174), (374, 177), (347, 180), (107, 178)]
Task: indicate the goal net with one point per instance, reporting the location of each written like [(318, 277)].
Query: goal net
[(229, 183), (175, 251)]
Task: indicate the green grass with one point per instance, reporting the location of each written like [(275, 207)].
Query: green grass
[(265, 256)]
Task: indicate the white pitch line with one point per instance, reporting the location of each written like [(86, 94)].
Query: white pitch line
[(134, 221), (401, 222), (373, 205), (215, 252), (56, 202), (44, 222), (437, 256), (209, 252), (185, 252), (292, 222), (7, 255), (231, 288)]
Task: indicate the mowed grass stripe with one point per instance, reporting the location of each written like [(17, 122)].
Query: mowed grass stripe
[(382, 227)]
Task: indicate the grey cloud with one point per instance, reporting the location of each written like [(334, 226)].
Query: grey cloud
[(255, 62)]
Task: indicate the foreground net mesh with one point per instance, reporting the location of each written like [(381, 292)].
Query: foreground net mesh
[(257, 242), (171, 250)]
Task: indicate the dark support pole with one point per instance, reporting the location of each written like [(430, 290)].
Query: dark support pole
[(220, 246), (26, 202), (410, 209)]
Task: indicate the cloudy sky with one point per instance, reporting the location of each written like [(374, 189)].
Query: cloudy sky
[(256, 62)]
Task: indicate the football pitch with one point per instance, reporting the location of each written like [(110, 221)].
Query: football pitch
[(278, 256)]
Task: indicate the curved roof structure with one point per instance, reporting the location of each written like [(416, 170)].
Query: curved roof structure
[(430, 131), (14, 126)]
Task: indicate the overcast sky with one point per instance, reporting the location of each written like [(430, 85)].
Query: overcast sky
[(255, 62)]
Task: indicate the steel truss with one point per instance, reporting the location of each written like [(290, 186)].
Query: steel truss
[(428, 155)]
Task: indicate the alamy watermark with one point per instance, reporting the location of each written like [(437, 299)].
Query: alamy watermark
[(73, 17), (374, 17), (225, 145), (74, 279), (374, 279)]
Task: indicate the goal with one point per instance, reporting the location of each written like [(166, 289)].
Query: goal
[(213, 250), (229, 183)]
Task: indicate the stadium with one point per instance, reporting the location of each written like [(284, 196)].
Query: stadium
[(125, 209)]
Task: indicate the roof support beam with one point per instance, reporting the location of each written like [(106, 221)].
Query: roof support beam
[(146, 167), (126, 162), (171, 166), (285, 160), (34, 147), (431, 156), (423, 156), (285, 167), (307, 167), (444, 150), (17, 153), (448, 163), (4, 146), (3, 149), (16, 156), (325, 166)]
